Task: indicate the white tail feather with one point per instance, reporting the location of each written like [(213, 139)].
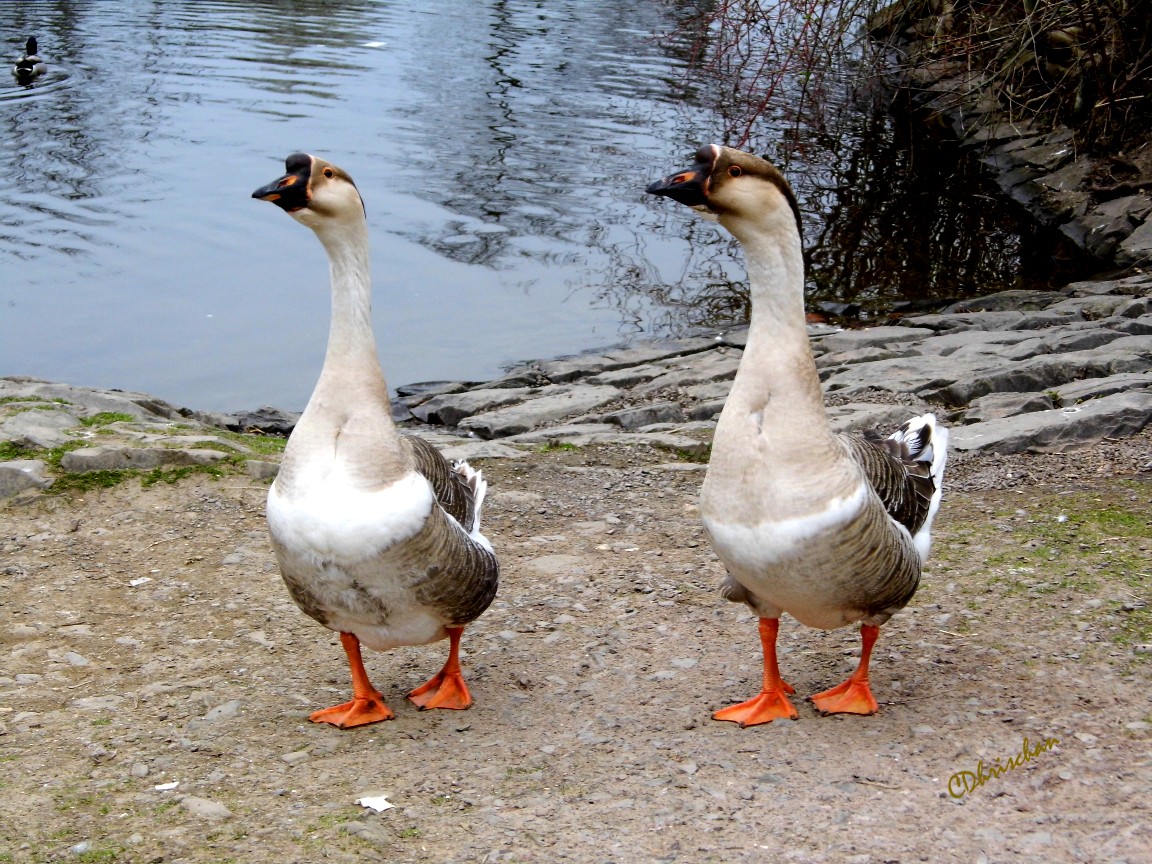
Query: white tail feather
[(934, 450), (475, 480)]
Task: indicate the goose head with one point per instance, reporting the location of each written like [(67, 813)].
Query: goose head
[(315, 193), (744, 193)]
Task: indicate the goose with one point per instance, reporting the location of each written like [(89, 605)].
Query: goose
[(377, 535), (30, 65), (832, 529)]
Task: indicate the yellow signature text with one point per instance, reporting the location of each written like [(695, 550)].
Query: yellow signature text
[(963, 782)]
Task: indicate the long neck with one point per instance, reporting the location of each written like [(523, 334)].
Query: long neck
[(777, 370), (351, 356)]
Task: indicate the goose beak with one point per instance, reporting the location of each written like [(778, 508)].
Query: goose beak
[(290, 192), (691, 186)]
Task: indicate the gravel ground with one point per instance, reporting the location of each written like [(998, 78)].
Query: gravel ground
[(155, 682)]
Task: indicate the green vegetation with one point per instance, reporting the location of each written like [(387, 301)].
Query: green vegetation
[(104, 418), (11, 450), (555, 447), (89, 481), (1089, 553)]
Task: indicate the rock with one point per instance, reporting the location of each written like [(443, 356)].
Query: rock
[(873, 337), (657, 412), (481, 450), (205, 808), (706, 410), (1015, 299), (451, 408), (261, 470), (698, 369), (629, 377), (1136, 248), (39, 427), (557, 565), (1057, 431), (553, 403), (20, 474), (709, 392), (1094, 388), (997, 405), (860, 417), (267, 420), (1090, 308), (113, 457), (583, 365), (94, 401), (224, 710), (427, 389)]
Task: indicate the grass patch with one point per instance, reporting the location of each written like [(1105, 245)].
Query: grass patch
[(556, 447), (105, 418), (702, 457), (264, 444), (90, 480), (11, 450), (175, 475)]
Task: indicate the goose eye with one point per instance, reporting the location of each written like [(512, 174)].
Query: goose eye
[(328, 172), (735, 171)]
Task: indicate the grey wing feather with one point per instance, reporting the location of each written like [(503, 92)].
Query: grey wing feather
[(903, 482), (452, 490)]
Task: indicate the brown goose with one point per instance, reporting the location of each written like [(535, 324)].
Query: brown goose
[(830, 528), (377, 535)]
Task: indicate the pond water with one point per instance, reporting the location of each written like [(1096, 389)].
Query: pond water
[(502, 148)]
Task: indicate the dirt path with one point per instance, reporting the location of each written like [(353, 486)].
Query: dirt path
[(146, 640)]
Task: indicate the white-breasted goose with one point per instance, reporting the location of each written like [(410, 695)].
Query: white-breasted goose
[(377, 534), (832, 529)]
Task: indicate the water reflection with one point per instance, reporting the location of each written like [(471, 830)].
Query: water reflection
[(502, 148)]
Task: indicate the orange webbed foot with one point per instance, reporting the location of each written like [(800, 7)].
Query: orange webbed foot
[(769, 705), (446, 689), (852, 697), (361, 711), (443, 690)]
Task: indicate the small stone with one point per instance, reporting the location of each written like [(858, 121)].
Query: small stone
[(81, 848), (139, 769), (296, 757), (688, 768), (75, 659), (684, 662), (205, 808), (1086, 737), (27, 678), (227, 709), (923, 730), (507, 635)]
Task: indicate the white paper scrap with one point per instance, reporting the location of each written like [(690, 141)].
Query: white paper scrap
[(143, 580), (379, 803), (164, 787)]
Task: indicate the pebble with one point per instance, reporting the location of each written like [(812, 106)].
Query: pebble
[(227, 709), (138, 769), (205, 808), (75, 659), (296, 757)]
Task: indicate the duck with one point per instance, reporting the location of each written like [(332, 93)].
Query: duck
[(831, 528), (30, 65), (376, 533)]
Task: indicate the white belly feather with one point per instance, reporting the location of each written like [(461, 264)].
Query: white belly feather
[(337, 523), (331, 540)]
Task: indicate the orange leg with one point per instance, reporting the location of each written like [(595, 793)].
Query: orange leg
[(367, 705), (446, 689), (772, 702), (853, 696)]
